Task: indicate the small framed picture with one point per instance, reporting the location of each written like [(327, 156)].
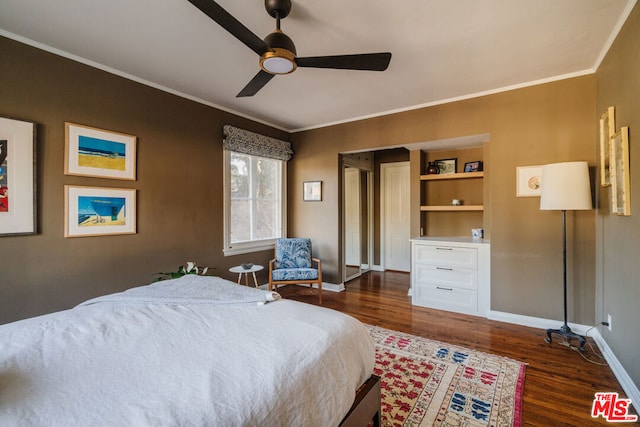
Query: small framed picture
[(473, 166), (446, 166), (99, 211), (99, 153), (528, 181), (312, 191)]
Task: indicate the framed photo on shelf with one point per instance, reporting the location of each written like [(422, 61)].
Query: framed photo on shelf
[(607, 131), (312, 191), (528, 181), (619, 156), (447, 166), (18, 203), (473, 166), (99, 211), (99, 153)]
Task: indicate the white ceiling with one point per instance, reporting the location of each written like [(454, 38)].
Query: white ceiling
[(442, 50)]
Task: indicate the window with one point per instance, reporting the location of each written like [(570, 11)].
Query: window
[(255, 168), (254, 202)]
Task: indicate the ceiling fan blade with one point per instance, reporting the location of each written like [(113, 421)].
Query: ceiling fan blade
[(214, 11), (256, 83), (363, 61)]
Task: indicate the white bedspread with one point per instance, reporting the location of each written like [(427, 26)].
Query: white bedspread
[(170, 357), (190, 289)]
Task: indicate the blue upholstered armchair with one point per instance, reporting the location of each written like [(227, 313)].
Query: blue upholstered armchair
[(293, 265)]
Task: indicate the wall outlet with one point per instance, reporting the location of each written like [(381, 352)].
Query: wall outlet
[(609, 322)]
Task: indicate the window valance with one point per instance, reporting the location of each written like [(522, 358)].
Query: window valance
[(243, 141)]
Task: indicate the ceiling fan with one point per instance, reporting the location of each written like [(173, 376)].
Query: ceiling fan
[(277, 51)]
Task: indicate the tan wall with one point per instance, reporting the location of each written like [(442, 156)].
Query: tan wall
[(537, 125), (179, 184), (618, 238)]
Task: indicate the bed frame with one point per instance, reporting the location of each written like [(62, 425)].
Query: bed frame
[(366, 407)]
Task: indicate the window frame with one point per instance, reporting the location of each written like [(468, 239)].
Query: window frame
[(229, 248)]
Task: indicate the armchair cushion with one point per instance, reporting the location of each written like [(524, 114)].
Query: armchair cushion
[(295, 274), (293, 253)]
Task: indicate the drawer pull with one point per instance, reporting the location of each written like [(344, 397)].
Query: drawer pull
[(444, 268), (443, 249), (444, 289)]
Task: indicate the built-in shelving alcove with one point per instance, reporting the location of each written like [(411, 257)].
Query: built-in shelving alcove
[(439, 214)]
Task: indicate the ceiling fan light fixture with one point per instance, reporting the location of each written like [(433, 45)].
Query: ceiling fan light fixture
[(278, 61)]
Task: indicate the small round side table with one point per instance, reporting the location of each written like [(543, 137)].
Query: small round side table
[(240, 271)]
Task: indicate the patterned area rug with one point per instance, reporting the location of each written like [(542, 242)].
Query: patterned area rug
[(431, 383)]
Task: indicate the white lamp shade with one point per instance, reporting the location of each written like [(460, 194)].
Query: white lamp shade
[(565, 186)]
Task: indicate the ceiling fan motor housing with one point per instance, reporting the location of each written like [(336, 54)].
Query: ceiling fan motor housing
[(281, 58)]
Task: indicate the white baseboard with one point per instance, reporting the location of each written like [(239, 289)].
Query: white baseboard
[(331, 287), (534, 322), (629, 387), (627, 384), (375, 267)]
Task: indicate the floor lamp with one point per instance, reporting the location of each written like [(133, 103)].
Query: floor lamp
[(565, 187)]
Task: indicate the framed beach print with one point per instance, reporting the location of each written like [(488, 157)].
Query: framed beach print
[(528, 181), (99, 211), (607, 130), (620, 195), (99, 153), (312, 191), (18, 203)]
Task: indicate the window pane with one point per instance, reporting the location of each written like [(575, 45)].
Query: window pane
[(240, 178), (267, 219), (240, 220), (267, 182)]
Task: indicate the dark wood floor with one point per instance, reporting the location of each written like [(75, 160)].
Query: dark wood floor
[(559, 383)]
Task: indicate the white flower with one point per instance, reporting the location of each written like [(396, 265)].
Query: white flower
[(190, 266)]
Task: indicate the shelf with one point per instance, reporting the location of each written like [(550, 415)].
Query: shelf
[(449, 208), (435, 177)]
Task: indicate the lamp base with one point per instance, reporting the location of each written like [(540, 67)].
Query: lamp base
[(566, 332)]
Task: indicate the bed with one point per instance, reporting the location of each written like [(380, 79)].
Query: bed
[(193, 351)]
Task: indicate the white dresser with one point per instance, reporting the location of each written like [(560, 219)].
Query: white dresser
[(451, 273)]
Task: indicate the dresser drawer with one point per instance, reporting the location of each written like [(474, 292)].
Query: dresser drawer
[(446, 256), (444, 298), (450, 277)]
